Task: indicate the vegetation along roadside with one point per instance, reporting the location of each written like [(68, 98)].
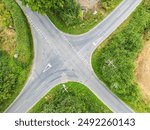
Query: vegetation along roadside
[(114, 61), (68, 16), (70, 97), (15, 51)]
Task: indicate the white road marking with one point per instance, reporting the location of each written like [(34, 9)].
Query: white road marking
[(47, 68), (94, 43)]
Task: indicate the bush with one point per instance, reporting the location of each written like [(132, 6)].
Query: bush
[(77, 98), (23, 33), (13, 72), (67, 10)]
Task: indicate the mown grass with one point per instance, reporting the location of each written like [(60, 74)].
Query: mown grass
[(89, 20), (77, 99), (114, 61), (14, 71)]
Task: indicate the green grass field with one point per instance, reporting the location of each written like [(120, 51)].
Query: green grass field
[(89, 20), (77, 98), (15, 39), (114, 61)]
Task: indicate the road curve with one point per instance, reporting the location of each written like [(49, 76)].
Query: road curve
[(60, 58)]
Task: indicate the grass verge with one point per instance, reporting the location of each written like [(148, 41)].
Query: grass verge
[(114, 61), (89, 20), (77, 98), (14, 71)]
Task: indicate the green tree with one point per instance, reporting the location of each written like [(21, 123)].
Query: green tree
[(67, 10)]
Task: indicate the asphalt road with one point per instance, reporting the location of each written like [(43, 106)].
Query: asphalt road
[(61, 57)]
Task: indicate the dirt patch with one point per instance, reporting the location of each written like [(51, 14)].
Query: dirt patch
[(8, 41), (88, 4), (143, 70)]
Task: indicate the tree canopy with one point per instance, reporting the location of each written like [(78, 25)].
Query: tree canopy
[(67, 10)]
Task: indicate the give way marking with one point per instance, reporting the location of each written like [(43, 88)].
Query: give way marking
[(47, 67)]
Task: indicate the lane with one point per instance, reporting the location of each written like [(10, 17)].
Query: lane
[(105, 28), (40, 82), (57, 60), (87, 50), (104, 94)]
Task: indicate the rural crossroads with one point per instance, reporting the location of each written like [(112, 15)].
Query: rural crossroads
[(60, 57)]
